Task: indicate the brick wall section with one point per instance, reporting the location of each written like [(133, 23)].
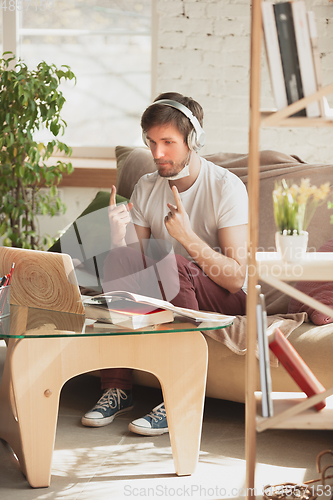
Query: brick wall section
[(204, 51)]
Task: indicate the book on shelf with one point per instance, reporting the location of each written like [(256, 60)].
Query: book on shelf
[(115, 305), (289, 55), (296, 366), (305, 55), (313, 33), (264, 364), (273, 55)]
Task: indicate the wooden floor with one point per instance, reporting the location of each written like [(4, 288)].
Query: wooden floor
[(111, 462)]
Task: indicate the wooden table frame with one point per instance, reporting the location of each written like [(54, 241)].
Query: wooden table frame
[(36, 370)]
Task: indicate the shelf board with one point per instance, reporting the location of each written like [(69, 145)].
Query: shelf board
[(314, 266), (308, 419), (284, 117), (297, 121)]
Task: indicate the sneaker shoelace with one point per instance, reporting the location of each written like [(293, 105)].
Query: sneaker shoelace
[(158, 413), (111, 398)]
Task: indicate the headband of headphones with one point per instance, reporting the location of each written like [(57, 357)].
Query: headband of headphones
[(196, 138)]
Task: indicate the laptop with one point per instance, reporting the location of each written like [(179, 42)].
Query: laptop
[(43, 280)]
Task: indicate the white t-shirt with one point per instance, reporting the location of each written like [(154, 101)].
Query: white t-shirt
[(217, 199)]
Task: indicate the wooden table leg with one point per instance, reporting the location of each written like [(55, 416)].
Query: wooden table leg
[(9, 427), (41, 366), (36, 393), (184, 386)]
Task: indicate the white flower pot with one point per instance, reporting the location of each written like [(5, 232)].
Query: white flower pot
[(292, 247)]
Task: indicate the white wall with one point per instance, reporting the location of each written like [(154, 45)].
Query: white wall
[(204, 52)]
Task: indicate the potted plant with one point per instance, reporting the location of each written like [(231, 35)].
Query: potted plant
[(29, 101), (294, 207)]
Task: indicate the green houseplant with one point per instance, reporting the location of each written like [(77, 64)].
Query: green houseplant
[(29, 100), (294, 207)]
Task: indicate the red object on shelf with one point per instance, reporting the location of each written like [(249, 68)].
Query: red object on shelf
[(296, 366)]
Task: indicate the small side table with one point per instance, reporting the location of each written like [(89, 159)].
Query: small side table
[(47, 348)]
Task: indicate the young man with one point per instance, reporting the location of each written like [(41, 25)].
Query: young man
[(197, 207)]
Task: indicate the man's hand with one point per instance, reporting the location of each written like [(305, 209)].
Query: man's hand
[(119, 217), (227, 268), (177, 221)]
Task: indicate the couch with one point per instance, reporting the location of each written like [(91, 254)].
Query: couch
[(226, 366)]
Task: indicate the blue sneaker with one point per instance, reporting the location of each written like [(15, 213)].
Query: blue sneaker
[(114, 402), (153, 424)]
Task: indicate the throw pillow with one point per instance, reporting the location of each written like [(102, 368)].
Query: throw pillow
[(319, 290), (132, 163), (122, 153)]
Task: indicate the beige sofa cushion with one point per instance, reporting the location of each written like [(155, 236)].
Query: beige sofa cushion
[(319, 290), (131, 165)]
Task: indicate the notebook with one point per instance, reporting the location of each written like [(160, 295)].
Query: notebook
[(44, 280)]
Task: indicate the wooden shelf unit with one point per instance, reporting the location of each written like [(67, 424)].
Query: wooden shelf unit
[(289, 416)]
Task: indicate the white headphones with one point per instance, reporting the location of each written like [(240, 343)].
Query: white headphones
[(197, 136)]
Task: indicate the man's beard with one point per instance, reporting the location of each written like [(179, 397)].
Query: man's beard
[(176, 167)]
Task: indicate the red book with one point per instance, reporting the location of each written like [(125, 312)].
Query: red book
[(296, 366), (127, 313)]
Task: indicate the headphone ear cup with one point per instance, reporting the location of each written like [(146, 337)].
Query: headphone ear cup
[(200, 141), (192, 140)]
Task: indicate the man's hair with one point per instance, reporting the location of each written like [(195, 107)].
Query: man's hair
[(156, 114)]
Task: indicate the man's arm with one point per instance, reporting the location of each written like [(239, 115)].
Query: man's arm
[(227, 269), (143, 233)]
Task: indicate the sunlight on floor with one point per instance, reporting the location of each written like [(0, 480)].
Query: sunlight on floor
[(116, 473), (113, 463)]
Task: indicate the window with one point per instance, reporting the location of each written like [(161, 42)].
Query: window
[(107, 44)]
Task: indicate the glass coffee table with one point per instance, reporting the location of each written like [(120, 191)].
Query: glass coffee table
[(47, 348)]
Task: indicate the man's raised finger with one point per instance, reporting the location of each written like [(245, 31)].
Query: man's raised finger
[(112, 201), (177, 198)]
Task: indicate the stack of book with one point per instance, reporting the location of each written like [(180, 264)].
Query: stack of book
[(293, 57), (125, 313), (131, 310)]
